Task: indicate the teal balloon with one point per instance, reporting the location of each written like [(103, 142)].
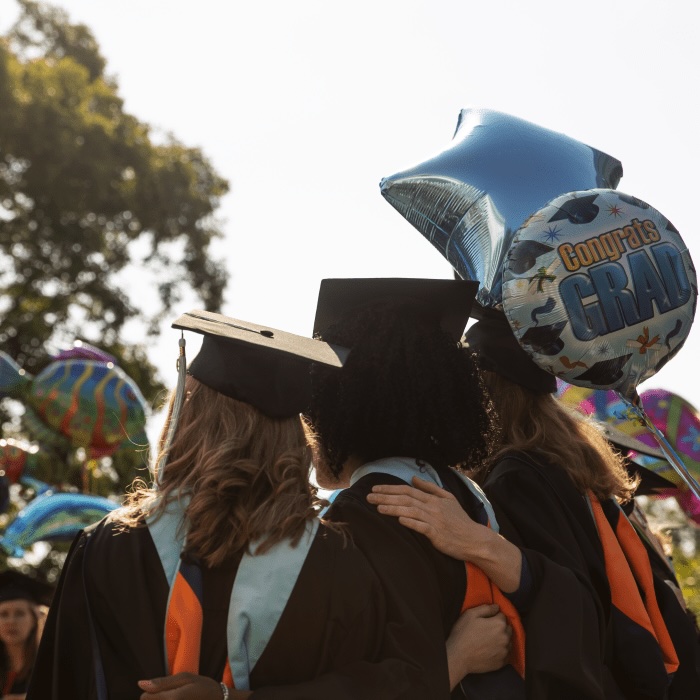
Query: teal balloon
[(53, 517)]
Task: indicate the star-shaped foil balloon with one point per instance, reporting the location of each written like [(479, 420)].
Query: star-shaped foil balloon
[(471, 198)]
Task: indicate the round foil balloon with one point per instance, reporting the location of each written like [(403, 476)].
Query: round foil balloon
[(609, 407), (470, 199), (605, 406), (679, 421), (79, 402), (600, 289)]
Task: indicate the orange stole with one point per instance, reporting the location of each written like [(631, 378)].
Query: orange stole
[(481, 591), (183, 623), (628, 570)]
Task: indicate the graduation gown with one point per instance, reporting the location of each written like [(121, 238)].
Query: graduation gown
[(423, 588), (333, 629), (569, 647)]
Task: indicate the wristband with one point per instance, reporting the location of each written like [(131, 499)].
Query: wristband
[(224, 690)]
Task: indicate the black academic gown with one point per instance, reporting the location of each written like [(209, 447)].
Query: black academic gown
[(423, 588), (334, 629), (569, 650)]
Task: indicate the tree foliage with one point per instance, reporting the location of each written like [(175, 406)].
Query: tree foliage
[(81, 181), (92, 202)]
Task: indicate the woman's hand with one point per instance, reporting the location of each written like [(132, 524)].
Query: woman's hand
[(479, 642), (433, 512), (187, 686), (437, 514)]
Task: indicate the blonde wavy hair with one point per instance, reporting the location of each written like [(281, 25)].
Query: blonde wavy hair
[(540, 423), (246, 475)]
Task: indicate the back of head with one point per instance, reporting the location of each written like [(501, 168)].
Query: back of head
[(537, 422), (246, 474), (405, 390)]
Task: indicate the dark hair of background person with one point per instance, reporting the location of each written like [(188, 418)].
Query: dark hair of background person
[(247, 476), (532, 422), (406, 390), (30, 648)]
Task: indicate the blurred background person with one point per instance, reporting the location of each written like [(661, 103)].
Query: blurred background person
[(22, 604)]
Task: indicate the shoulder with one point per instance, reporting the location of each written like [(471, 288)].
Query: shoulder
[(518, 469), (340, 557)]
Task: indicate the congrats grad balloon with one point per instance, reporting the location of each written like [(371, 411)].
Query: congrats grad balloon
[(600, 290), (470, 199)]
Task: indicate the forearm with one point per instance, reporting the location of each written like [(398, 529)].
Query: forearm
[(498, 558)]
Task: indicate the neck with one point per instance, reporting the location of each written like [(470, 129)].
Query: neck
[(15, 653), (351, 465)]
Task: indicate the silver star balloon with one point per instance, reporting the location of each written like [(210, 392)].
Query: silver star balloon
[(471, 198)]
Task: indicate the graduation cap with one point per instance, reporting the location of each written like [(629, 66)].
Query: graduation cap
[(649, 481), (262, 366), (258, 365), (15, 585), (499, 351), (450, 300)]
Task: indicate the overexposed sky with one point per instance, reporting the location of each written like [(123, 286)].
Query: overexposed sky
[(304, 106)]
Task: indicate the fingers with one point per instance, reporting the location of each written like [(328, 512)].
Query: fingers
[(158, 685), (417, 525), (488, 610), (400, 510), (429, 487), (389, 490)]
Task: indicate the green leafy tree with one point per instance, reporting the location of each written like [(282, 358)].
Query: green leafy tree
[(81, 181), (89, 197)]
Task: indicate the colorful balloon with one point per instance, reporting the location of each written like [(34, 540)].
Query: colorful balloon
[(599, 288), (470, 199), (18, 459), (675, 417), (89, 404), (610, 408), (53, 516), (84, 351), (679, 421)]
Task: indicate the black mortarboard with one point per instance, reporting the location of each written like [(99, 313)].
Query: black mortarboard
[(15, 585), (492, 338), (649, 481), (451, 300), (259, 365)]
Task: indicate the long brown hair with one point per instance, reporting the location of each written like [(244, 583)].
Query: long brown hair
[(531, 422), (31, 646), (246, 475)]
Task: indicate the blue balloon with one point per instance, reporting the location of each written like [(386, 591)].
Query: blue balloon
[(471, 198), (53, 516)]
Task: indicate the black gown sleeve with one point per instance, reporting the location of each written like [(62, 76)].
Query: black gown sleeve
[(127, 593), (566, 619)]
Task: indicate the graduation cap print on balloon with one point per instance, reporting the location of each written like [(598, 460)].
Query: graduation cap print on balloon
[(470, 199), (612, 301)]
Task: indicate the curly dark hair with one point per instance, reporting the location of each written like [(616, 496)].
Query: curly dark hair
[(406, 390)]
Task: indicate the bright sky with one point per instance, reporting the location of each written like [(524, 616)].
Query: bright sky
[(304, 106)]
